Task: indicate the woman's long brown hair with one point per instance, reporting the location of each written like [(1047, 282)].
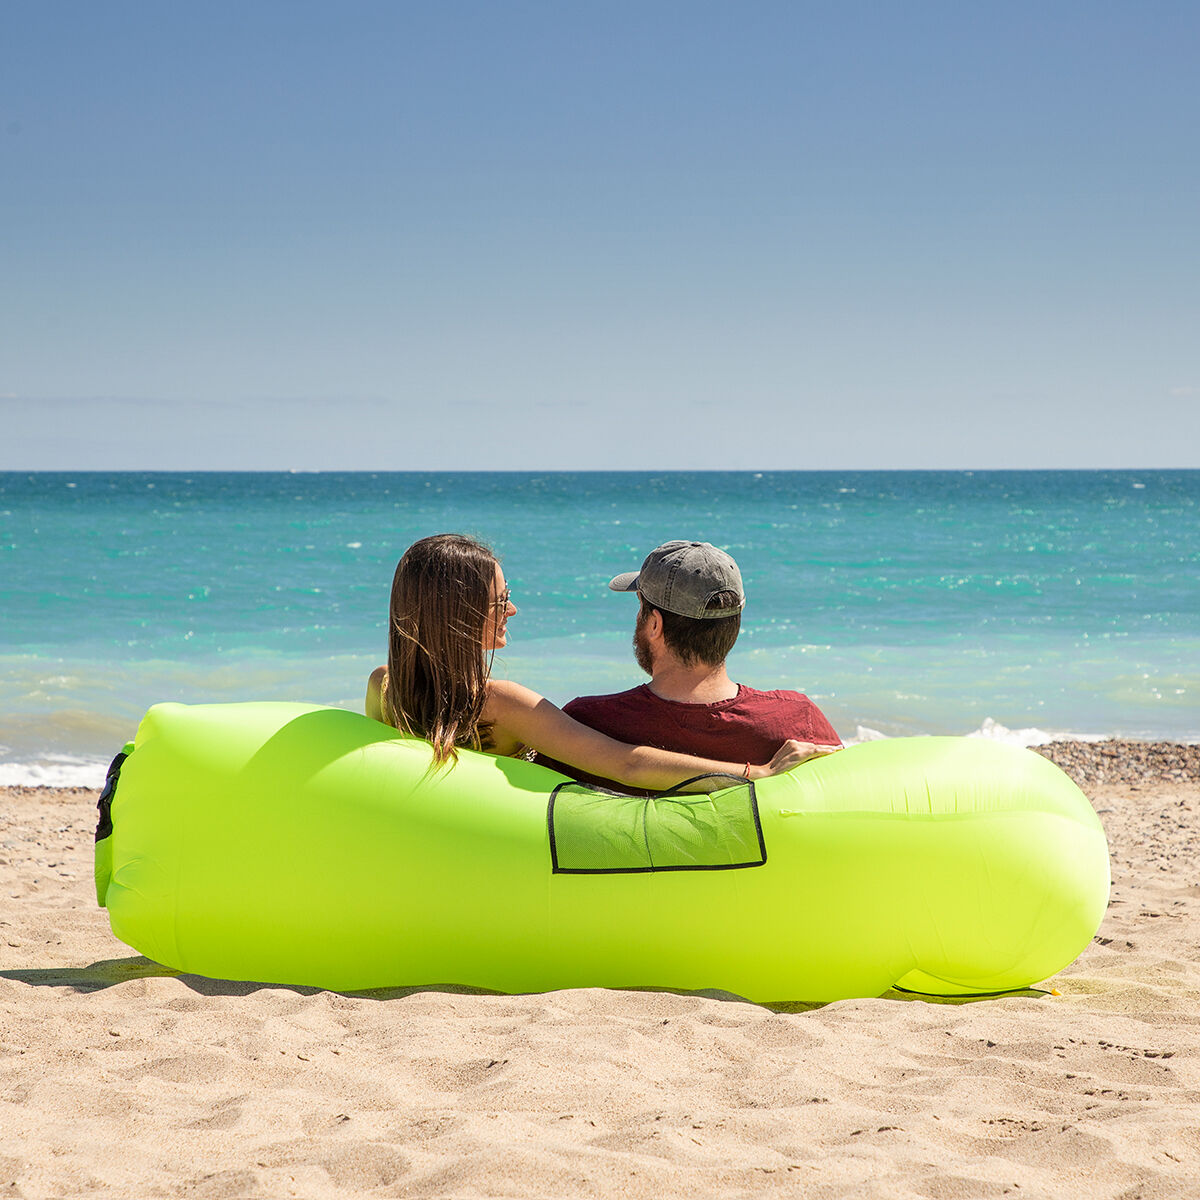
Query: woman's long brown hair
[(437, 669)]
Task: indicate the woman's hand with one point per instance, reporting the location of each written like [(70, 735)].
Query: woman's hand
[(789, 755)]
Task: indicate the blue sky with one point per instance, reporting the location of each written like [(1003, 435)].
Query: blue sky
[(620, 235)]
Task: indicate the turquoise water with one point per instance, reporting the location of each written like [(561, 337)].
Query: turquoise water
[(1016, 603)]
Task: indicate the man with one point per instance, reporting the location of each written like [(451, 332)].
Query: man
[(691, 604)]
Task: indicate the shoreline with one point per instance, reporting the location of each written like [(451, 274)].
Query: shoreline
[(1128, 761)]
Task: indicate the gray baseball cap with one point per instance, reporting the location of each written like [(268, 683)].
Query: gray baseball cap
[(681, 578)]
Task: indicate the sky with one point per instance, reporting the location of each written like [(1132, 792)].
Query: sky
[(630, 235)]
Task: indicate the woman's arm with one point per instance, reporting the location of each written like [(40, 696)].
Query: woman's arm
[(374, 704), (523, 715)]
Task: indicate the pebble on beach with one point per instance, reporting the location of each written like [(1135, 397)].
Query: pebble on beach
[(1125, 761)]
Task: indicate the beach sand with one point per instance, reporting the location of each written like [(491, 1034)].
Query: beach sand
[(121, 1078)]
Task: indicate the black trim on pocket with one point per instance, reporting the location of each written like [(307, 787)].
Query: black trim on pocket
[(650, 867)]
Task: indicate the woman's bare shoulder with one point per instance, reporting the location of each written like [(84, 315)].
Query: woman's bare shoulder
[(507, 695), (506, 714)]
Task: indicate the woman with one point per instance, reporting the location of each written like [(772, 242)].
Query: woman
[(449, 614)]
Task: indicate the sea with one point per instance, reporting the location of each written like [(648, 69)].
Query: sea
[(1024, 605)]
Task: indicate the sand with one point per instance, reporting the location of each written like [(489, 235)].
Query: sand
[(121, 1078)]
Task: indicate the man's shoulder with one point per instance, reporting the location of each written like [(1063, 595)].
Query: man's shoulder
[(788, 710), (774, 696)]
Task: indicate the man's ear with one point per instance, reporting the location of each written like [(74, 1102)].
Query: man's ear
[(654, 625)]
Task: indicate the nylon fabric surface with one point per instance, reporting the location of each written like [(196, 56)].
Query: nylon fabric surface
[(289, 843)]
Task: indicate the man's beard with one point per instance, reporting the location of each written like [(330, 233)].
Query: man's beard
[(641, 649)]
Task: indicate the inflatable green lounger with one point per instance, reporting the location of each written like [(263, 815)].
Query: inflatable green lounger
[(287, 843)]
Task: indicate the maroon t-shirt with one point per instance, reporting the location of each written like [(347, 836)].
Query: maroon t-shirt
[(750, 727)]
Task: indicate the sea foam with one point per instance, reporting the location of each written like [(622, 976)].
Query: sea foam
[(59, 773)]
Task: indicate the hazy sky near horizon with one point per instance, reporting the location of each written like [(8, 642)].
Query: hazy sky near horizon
[(473, 235)]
